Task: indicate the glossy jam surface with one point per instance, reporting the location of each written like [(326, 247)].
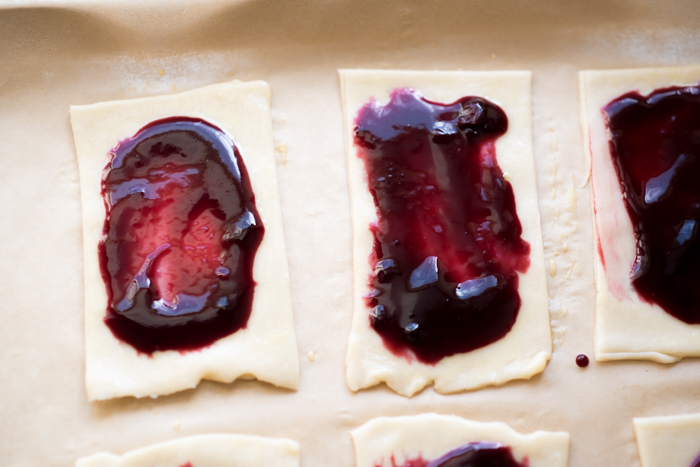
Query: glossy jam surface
[(447, 246), (482, 454), (180, 237), (582, 360), (655, 145)]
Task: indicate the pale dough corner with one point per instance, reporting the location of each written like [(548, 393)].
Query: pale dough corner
[(526, 349), (625, 326), (672, 441), (387, 441), (266, 348), (214, 450)]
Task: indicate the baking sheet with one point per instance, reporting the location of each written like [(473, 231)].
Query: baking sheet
[(56, 54)]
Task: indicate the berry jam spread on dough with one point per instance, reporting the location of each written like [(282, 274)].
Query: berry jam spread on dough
[(655, 147), (179, 238), (482, 454), (447, 247)]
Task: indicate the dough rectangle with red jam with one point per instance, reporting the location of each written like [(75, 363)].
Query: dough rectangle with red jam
[(185, 265), (432, 440), (641, 127), (449, 281), (213, 450)]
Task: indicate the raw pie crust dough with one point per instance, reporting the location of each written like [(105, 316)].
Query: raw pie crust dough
[(266, 348), (625, 326), (431, 436), (668, 441), (525, 350), (204, 451)]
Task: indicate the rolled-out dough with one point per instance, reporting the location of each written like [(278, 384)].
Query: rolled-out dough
[(625, 326), (431, 436), (218, 450), (525, 350), (266, 348), (668, 441)]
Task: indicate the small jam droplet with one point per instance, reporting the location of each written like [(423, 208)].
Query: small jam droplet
[(582, 361)]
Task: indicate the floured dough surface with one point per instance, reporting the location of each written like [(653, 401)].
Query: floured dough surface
[(625, 326), (430, 436), (525, 350), (220, 450), (668, 441), (266, 348)]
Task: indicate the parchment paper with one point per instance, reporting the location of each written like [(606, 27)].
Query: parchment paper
[(56, 54)]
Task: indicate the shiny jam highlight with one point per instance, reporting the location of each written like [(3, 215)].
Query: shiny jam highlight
[(655, 147), (447, 247), (481, 454), (179, 238)]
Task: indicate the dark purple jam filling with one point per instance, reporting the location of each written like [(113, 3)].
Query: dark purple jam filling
[(582, 361), (655, 146), (180, 236), (696, 462), (447, 247), (482, 454)]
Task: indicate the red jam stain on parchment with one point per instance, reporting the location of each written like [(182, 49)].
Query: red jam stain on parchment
[(480, 454), (447, 242), (179, 239), (655, 146)]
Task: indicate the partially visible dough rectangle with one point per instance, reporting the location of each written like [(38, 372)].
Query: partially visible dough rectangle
[(387, 441), (525, 350), (218, 450), (266, 348), (626, 327), (668, 441)]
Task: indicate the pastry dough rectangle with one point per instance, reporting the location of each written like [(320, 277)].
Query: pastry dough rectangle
[(266, 348), (525, 350), (430, 436), (217, 450), (668, 441), (625, 326)]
